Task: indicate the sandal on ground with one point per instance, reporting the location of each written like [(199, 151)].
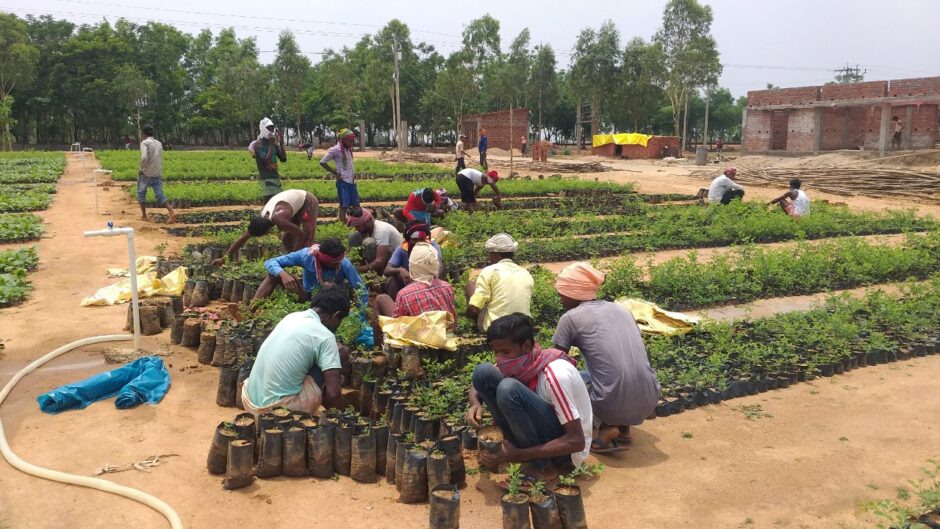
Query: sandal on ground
[(599, 447)]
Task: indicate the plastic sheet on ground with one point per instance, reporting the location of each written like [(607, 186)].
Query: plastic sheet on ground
[(427, 330), (653, 319), (627, 138), (143, 380), (147, 286), (144, 264)]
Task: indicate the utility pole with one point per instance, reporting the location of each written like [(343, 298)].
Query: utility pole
[(685, 120), (396, 52), (708, 91)]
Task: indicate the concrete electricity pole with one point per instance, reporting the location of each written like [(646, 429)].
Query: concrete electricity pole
[(396, 52)]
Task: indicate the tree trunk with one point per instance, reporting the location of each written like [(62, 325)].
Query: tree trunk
[(539, 135)]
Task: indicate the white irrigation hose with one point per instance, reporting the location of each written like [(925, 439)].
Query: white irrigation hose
[(73, 479)]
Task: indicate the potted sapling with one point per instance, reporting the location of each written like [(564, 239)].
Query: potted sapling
[(515, 504), (543, 508)]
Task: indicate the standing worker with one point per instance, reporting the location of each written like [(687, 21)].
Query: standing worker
[(150, 174), (267, 152), (482, 146), (461, 153), (794, 202), (898, 133), (522, 144), (342, 156), (724, 189), (623, 386), (471, 182)]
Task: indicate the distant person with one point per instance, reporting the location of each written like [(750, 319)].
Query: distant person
[(460, 153), (127, 142), (794, 202), (422, 205), (898, 133), (267, 150), (502, 288), (447, 203), (471, 182), (724, 189), (482, 146), (342, 156), (377, 238), (294, 212), (523, 142), (306, 147), (150, 174), (322, 264), (720, 145)]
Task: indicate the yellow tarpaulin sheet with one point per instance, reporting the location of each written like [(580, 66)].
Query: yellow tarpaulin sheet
[(147, 286), (654, 320), (626, 138), (144, 264), (427, 330)]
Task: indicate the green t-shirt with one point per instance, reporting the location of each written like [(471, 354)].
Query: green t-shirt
[(270, 179), (296, 344)]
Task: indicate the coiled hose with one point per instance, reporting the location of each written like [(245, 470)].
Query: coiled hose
[(73, 479)]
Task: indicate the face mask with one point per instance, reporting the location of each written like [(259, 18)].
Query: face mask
[(512, 367)]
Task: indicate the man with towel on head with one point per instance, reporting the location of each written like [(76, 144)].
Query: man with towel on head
[(397, 268), (377, 238), (266, 153), (623, 386), (425, 293), (345, 173), (502, 288)]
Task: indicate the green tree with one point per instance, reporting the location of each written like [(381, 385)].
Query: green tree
[(639, 97), (291, 70), (594, 67), (17, 64), (133, 91), (543, 83), (481, 44)]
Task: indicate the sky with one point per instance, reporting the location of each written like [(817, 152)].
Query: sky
[(784, 42)]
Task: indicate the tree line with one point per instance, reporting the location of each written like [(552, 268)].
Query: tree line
[(61, 82)]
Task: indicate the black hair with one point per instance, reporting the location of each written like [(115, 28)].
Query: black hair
[(259, 226), (330, 300), (795, 183), (332, 246), (354, 211), (147, 129), (515, 327), (427, 195), (895, 118), (505, 255)]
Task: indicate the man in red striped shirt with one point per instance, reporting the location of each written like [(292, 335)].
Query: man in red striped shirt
[(536, 397)]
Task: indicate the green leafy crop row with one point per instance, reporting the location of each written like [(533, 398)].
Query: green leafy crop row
[(14, 264), (17, 227), (31, 167)]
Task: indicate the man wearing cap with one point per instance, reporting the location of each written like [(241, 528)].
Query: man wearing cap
[(502, 288), (471, 182), (425, 293), (724, 189), (422, 204), (267, 152), (397, 268), (321, 263), (623, 386), (461, 153), (342, 156), (482, 146), (377, 238), (288, 210)]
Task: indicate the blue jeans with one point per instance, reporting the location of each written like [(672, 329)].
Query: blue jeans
[(526, 419), (348, 194), (143, 182), (422, 216)]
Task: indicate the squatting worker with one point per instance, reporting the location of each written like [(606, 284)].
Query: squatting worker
[(794, 202), (377, 238), (342, 156), (298, 366), (536, 397), (724, 189), (483, 145), (321, 264), (293, 211), (267, 150), (502, 288), (422, 204), (150, 174), (471, 182), (397, 268), (306, 146), (425, 293), (623, 385), (461, 153)]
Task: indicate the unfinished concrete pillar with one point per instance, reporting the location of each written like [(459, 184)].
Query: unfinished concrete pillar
[(362, 135), (907, 143), (885, 133), (817, 130)]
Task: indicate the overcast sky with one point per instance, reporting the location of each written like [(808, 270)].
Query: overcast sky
[(784, 42)]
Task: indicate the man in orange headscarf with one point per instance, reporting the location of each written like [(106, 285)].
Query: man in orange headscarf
[(623, 386)]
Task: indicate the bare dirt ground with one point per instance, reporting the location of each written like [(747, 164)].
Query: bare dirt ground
[(817, 451)]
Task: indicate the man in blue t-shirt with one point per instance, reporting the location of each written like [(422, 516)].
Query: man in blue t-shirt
[(482, 146)]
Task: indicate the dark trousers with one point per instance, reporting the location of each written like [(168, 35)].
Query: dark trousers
[(483, 159), (526, 419), (732, 194)]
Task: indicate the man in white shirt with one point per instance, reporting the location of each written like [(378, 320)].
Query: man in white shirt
[(794, 202), (724, 189), (150, 174), (536, 397), (471, 182), (460, 153), (377, 238)]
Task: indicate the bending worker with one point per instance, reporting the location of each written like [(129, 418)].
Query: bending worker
[(377, 238), (422, 204), (471, 182), (397, 268), (623, 386), (502, 288), (288, 210)]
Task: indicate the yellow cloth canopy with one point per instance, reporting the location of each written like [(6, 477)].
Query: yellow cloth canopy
[(626, 138)]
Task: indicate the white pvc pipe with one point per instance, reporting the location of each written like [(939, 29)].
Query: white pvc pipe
[(62, 477), (132, 270), (95, 172)]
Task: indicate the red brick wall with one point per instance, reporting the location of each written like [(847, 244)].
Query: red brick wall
[(653, 149), (914, 87), (866, 90), (497, 128), (923, 126), (801, 134), (604, 150), (783, 96), (780, 126), (757, 131), (834, 128)]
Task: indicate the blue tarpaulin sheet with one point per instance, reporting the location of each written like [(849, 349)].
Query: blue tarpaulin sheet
[(143, 380)]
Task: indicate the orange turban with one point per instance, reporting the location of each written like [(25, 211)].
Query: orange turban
[(579, 282)]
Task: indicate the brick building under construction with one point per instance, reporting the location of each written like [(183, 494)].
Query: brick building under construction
[(811, 119), (501, 131)]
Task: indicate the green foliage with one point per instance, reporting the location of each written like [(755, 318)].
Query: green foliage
[(514, 479), (20, 227), (904, 513), (14, 264), (31, 167)]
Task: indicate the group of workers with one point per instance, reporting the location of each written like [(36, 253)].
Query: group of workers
[(547, 409)]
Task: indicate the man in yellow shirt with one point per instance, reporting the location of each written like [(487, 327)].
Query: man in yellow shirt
[(502, 288)]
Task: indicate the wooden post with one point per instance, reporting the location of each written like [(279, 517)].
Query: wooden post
[(705, 134), (577, 127)]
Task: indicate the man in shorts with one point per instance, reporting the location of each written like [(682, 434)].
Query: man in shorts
[(150, 174), (471, 182), (342, 156)]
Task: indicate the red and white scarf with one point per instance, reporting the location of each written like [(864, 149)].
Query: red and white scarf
[(320, 259), (526, 368)]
